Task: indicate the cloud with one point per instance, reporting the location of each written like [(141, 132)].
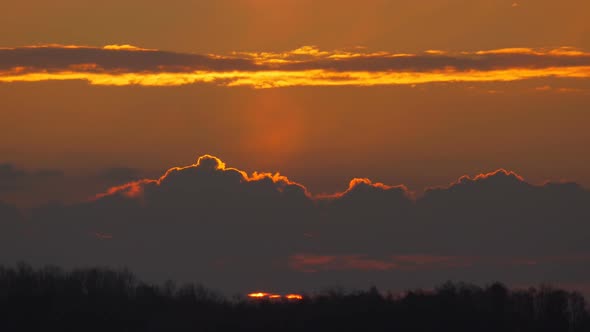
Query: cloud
[(13, 178), (115, 59), (305, 66), (360, 187), (268, 229), (210, 176), (12, 232), (10, 176), (312, 263), (501, 208), (9, 214)]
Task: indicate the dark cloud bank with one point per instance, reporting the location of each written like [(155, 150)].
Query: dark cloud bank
[(117, 60), (13, 178), (238, 232)]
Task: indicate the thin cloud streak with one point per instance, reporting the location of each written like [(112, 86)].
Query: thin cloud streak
[(311, 263), (121, 65)]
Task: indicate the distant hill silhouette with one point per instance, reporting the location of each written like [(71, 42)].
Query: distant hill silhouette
[(101, 299)]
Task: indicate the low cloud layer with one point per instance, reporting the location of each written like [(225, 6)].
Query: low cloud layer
[(237, 231), (13, 178), (306, 66)]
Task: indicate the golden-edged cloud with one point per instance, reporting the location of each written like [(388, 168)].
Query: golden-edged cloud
[(120, 65), (209, 165), (263, 224)]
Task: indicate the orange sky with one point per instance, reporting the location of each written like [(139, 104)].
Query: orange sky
[(401, 95), (322, 136), (257, 25)]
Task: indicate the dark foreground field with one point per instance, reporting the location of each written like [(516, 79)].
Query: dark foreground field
[(50, 299)]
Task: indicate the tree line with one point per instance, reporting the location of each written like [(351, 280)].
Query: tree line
[(103, 299)]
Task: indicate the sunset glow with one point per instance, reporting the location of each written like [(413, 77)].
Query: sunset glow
[(278, 79), (270, 296), (284, 150), (305, 66)]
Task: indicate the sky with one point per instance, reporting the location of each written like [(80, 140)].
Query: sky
[(99, 101)]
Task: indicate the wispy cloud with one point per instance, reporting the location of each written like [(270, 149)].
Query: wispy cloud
[(311, 263), (121, 65)]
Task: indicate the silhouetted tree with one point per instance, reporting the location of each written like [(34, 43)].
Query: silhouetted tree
[(101, 299)]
